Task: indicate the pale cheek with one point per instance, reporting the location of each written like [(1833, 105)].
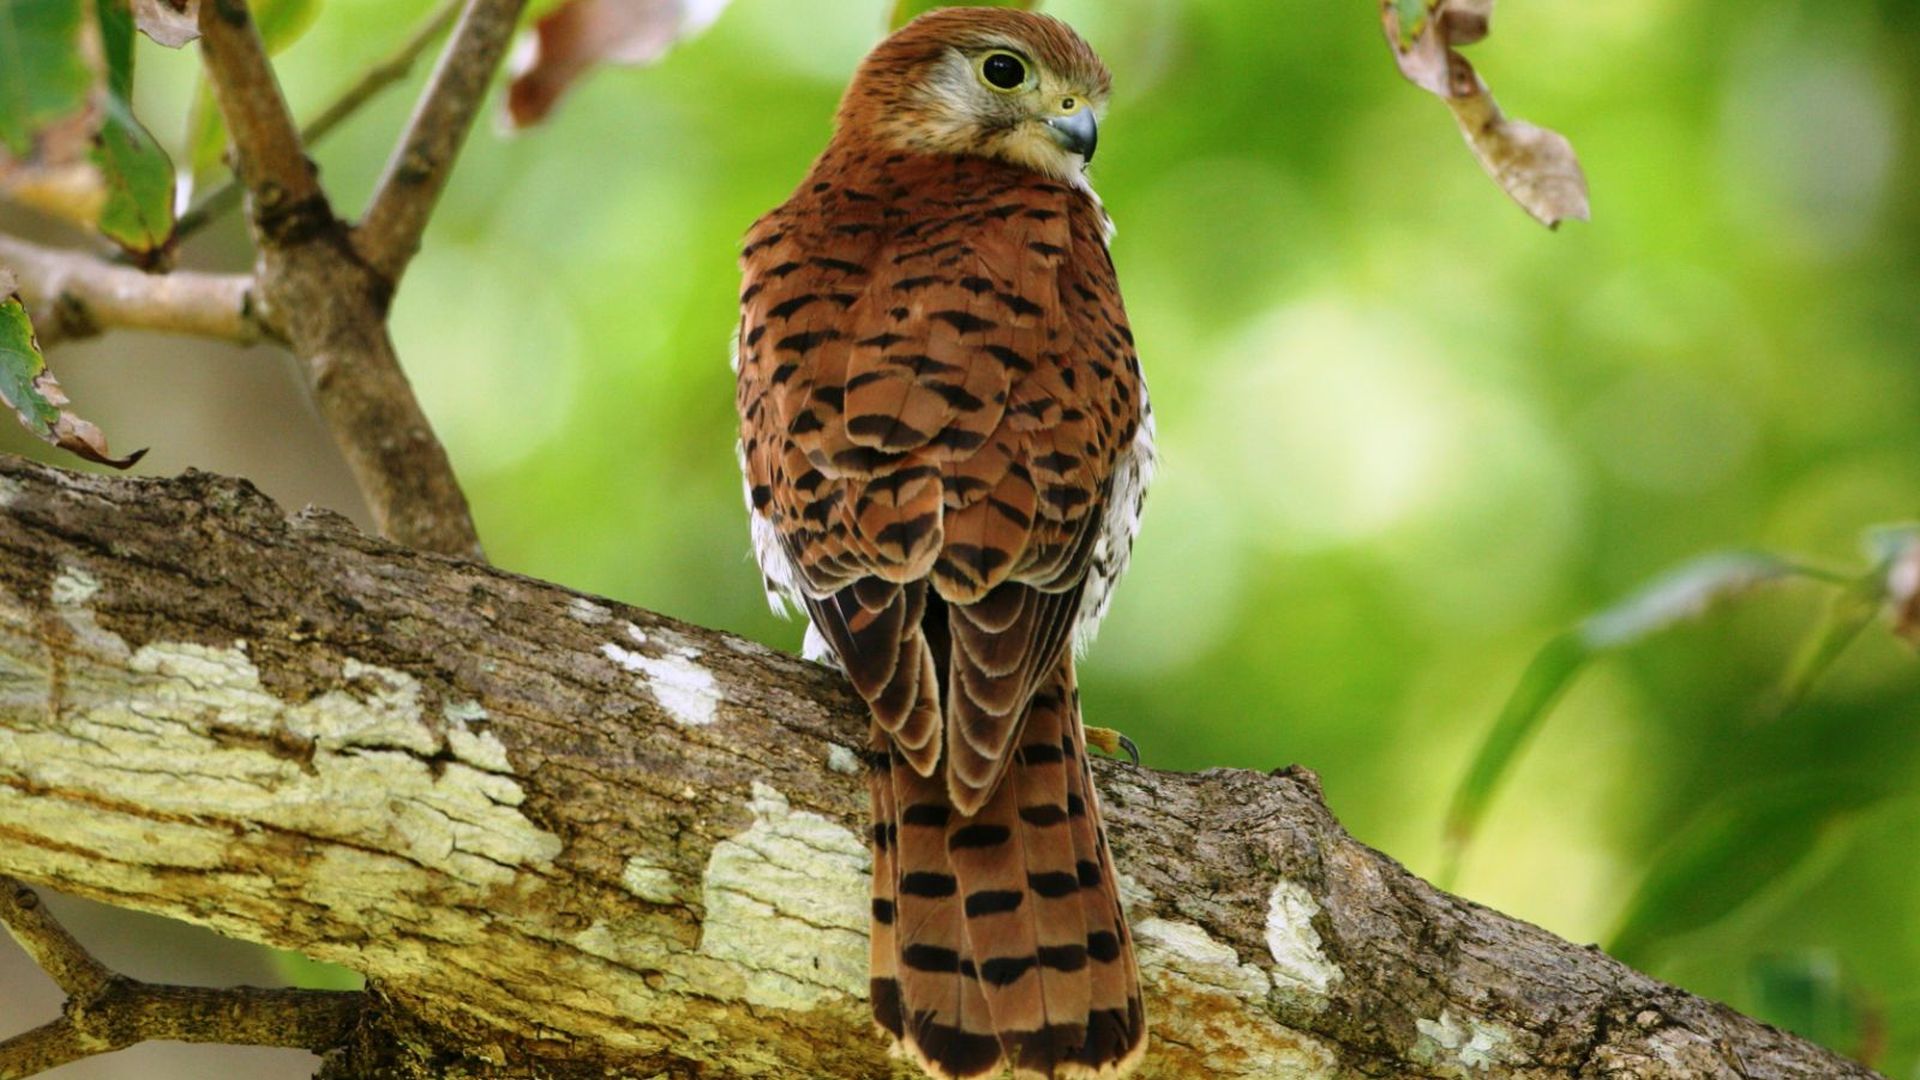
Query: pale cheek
[(1040, 153)]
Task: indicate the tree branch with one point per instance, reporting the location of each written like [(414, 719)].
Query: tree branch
[(49, 944), (417, 172), (371, 82), (75, 295), (557, 831), (269, 158), (330, 303), (106, 1012)]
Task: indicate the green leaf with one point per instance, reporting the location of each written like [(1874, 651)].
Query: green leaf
[(905, 11), (1853, 610), (21, 364), (1546, 679), (116, 44), (1684, 593), (1745, 845), (138, 214), (44, 75), (27, 385), (135, 173), (1413, 19)]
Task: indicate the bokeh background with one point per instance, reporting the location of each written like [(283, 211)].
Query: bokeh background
[(1407, 434)]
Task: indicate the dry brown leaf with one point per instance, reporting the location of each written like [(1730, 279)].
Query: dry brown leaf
[(1534, 165), (579, 35), (77, 436), (172, 23), (1903, 592)]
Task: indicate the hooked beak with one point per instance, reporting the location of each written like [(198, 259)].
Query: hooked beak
[(1078, 132)]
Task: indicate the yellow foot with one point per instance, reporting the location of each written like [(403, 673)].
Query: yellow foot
[(1112, 743)]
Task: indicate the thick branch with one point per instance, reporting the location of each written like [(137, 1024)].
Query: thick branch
[(550, 827), (71, 295), (397, 217)]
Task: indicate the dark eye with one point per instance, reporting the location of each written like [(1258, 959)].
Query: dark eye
[(1003, 71)]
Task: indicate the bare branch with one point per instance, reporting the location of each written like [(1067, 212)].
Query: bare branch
[(269, 157), (333, 309), (330, 305), (48, 1046), (72, 295), (417, 172), (49, 943), (565, 837), (107, 1012), (393, 68)]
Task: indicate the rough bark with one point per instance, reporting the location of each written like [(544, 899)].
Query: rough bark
[(566, 837)]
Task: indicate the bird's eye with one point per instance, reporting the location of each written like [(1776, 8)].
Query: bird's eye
[(1003, 71)]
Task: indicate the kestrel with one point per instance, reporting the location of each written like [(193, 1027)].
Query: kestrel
[(946, 441)]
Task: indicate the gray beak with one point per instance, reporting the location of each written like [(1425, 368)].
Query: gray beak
[(1079, 133)]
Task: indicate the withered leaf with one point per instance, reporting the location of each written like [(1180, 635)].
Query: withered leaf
[(27, 386), (1903, 586), (1534, 165), (579, 35), (172, 23)]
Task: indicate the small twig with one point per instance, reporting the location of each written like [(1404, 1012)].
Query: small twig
[(106, 1012), (56, 951), (74, 295), (380, 76), (417, 171), (269, 158)]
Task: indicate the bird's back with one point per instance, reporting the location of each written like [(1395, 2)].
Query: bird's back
[(940, 405)]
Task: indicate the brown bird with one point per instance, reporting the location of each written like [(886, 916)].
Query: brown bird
[(946, 441)]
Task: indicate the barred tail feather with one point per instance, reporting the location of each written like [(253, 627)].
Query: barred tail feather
[(999, 938)]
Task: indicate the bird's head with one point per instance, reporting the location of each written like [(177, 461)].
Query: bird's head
[(986, 82)]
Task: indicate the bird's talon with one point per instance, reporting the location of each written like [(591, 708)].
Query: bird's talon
[(1113, 744)]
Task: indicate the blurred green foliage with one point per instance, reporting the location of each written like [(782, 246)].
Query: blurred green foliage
[(1408, 435), (40, 86)]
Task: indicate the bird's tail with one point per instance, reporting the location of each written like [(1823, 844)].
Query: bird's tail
[(999, 937)]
